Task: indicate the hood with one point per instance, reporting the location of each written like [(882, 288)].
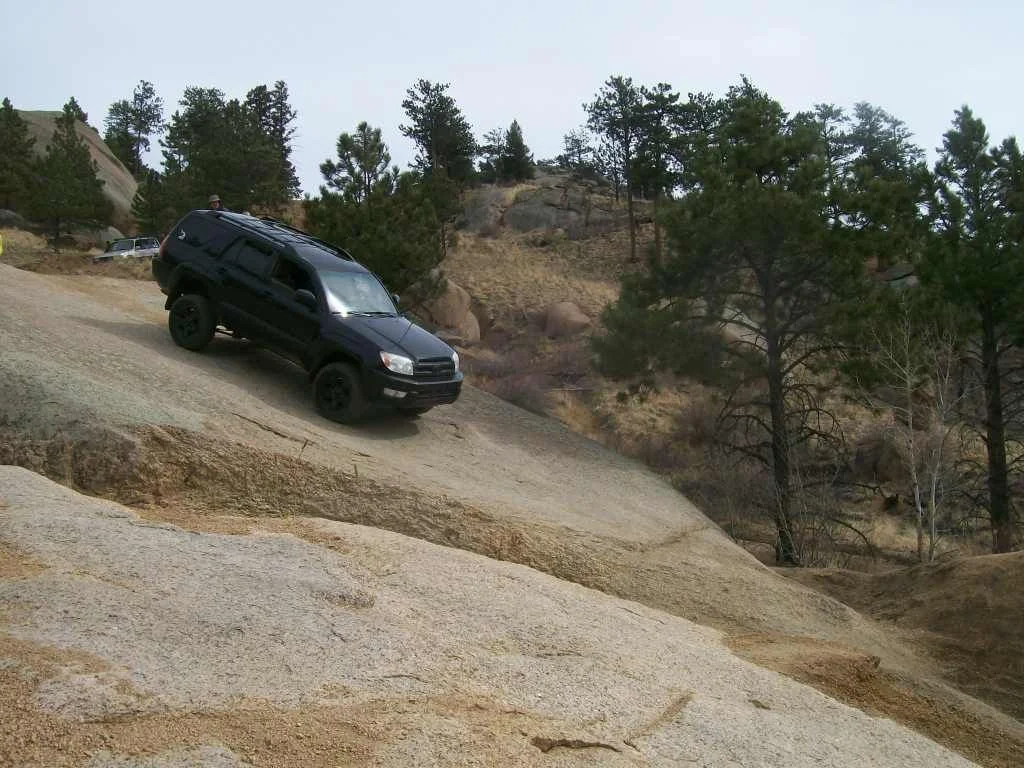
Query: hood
[(398, 334)]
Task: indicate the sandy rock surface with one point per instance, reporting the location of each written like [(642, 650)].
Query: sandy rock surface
[(226, 445), (185, 622)]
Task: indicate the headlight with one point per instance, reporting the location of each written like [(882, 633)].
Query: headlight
[(396, 363), (455, 359)]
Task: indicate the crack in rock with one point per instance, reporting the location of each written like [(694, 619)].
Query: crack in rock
[(545, 744)]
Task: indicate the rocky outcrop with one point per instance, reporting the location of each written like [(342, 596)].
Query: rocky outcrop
[(554, 200), (119, 185), (565, 319)]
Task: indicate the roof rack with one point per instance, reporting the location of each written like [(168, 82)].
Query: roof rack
[(330, 246)]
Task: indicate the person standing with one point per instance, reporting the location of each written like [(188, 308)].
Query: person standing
[(215, 203)]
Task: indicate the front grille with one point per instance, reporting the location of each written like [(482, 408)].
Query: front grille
[(434, 369)]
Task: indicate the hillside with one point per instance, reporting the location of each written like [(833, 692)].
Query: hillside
[(966, 613), (118, 184), (94, 396)]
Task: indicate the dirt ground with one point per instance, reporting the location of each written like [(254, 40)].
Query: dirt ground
[(94, 395)]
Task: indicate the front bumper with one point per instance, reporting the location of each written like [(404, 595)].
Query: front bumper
[(417, 393)]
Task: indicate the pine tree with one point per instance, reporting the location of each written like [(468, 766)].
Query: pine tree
[(363, 161), (394, 231), (152, 206), (656, 166), (16, 158), (273, 118), (751, 247), (79, 113), (227, 147), (977, 259), (68, 190), (515, 161), (129, 124), (577, 153), (491, 151), (616, 114), (441, 132)]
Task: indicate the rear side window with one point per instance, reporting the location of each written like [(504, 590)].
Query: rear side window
[(253, 258), (205, 233), (122, 245)]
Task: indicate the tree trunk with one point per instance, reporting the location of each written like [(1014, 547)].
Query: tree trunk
[(657, 227), (632, 222), (1000, 513), (908, 389), (785, 548), (933, 512)]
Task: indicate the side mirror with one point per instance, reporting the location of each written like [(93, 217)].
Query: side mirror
[(394, 298), (306, 298)]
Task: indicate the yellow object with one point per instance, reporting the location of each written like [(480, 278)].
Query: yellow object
[(1, 245)]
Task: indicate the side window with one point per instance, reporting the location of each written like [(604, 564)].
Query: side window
[(122, 245), (204, 233), (291, 275), (253, 258)]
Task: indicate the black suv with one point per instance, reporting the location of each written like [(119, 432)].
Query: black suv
[(310, 302)]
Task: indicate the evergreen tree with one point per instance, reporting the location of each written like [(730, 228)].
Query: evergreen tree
[(577, 152), (68, 190), (152, 205), (977, 260), (79, 113), (655, 174), (616, 115), (491, 150), (442, 134), (237, 149), (394, 231), (751, 249), (129, 125), (275, 118), (887, 186), (515, 160), (16, 158), (362, 166)]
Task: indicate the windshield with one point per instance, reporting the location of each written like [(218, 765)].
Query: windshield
[(356, 293)]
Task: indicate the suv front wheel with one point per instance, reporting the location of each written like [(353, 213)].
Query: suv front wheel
[(338, 393), (192, 322)]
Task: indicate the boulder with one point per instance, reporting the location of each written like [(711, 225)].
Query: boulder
[(88, 238), (12, 220), (565, 319), (466, 334), (450, 307), (469, 329)]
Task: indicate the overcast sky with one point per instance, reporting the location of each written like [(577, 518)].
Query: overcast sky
[(533, 61)]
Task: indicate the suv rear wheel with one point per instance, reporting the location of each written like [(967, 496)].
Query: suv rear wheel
[(338, 393), (192, 322)]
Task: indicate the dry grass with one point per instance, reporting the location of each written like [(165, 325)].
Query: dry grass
[(514, 277), (69, 262)]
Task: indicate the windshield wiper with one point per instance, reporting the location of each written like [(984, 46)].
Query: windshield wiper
[(373, 314)]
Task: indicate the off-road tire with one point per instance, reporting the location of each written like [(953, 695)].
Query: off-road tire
[(192, 321), (338, 393)]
